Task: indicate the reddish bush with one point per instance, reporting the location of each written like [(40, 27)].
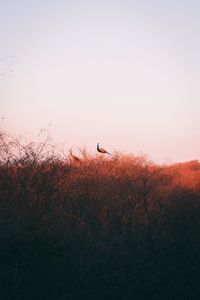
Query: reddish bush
[(104, 228)]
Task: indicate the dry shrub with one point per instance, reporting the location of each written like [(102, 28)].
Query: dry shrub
[(104, 228)]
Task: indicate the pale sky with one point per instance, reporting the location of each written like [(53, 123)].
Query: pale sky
[(122, 73)]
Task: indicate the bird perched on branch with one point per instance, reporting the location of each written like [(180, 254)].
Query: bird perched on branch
[(101, 150), (75, 158)]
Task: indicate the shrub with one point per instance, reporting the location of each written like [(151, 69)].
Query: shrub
[(105, 228)]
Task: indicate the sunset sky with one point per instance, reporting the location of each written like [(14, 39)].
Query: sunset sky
[(122, 73)]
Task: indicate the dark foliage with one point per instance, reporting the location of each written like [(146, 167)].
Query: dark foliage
[(117, 228)]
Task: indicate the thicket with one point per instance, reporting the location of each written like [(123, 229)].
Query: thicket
[(120, 227)]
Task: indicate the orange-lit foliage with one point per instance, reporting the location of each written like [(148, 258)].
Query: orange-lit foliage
[(106, 228)]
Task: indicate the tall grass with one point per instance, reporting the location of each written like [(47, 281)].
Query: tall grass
[(105, 228)]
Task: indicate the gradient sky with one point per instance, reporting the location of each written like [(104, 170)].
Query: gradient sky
[(124, 73)]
